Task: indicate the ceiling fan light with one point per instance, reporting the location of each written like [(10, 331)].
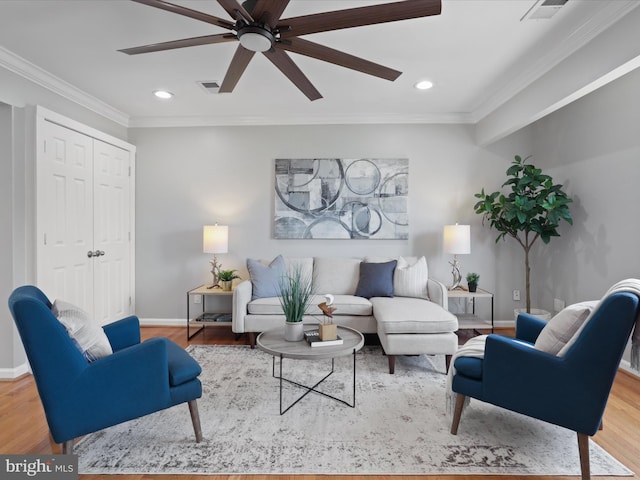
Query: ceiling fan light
[(255, 39)]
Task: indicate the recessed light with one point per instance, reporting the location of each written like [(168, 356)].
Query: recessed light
[(424, 85), (163, 94)]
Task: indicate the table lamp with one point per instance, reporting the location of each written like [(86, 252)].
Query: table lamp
[(215, 239), (457, 241)]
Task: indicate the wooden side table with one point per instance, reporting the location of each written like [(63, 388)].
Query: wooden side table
[(215, 318), (472, 321)]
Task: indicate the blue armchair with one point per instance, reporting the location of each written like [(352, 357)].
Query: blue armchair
[(80, 397), (570, 391)]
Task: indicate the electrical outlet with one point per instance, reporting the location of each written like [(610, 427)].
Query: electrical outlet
[(516, 295), (558, 304), (197, 299)]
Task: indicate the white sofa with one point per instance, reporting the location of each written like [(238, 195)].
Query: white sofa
[(405, 325)]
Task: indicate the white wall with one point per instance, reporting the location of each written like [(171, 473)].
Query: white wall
[(593, 146), (190, 177)]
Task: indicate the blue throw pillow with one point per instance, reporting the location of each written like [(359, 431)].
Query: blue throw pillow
[(376, 279), (266, 279)]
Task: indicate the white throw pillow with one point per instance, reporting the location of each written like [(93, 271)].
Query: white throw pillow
[(563, 326), (87, 334), (410, 279)]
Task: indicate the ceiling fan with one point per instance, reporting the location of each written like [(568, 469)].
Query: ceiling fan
[(258, 27)]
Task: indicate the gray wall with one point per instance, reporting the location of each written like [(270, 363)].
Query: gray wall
[(190, 177), (593, 146)]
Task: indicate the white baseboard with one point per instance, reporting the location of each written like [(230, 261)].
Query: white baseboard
[(13, 373), (163, 322), (626, 366)]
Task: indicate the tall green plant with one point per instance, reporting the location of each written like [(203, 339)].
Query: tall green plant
[(296, 294), (533, 209)]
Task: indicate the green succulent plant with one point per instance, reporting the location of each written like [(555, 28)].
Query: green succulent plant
[(227, 275), (472, 277)]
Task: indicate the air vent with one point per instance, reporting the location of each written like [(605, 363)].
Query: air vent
[(210, 86), (544, 9)]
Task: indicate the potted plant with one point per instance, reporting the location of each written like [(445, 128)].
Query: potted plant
[(533, 209), (296, 294), (226, 278), (472, 281)]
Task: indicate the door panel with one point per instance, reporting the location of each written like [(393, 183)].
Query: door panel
[(64, 218), (112, 223)]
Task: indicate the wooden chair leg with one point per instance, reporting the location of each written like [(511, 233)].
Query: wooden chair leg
[(457, 413), (195, 419), (447, 363), (252, 340), (392, 363), (67, 447), (601, 427), (583, 449)]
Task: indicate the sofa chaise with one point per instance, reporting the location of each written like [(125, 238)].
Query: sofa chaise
[(393, 298)]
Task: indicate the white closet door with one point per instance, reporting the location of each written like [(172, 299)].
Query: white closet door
[(65, 216), (112, 232)]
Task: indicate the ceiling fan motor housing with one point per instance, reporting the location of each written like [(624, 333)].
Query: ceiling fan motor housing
[(255, 37)]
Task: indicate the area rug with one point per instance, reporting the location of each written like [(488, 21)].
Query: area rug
[(398, 426)]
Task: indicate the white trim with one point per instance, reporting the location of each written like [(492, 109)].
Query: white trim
[(626, 366), (12, 373), (240, 120), (45, 79), (163, 322)]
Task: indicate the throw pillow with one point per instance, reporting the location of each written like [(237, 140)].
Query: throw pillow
[(376, 279), (87, 335), (562, 327), (410, 279), (265, 279)]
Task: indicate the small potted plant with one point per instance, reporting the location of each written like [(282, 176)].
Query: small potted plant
[(296, 293), (472, 281), (226, 278)]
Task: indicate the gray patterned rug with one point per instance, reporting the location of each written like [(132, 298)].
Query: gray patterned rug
[(399, 426)]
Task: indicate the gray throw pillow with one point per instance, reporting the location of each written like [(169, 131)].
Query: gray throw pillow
[(376, 279), (265, 279)]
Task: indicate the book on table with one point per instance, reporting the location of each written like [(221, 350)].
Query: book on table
[(313, 339)]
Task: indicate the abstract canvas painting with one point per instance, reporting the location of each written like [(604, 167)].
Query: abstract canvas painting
[(321, 198)]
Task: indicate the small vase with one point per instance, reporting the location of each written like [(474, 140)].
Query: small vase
[(293, 331), (472, 287), (226, 285)]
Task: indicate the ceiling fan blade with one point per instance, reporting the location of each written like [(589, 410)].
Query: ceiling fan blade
[(187, 42), (326, 54), (234, 9), (187, 12), (269, 11), (284, 63), (357, 17), (239, 63)]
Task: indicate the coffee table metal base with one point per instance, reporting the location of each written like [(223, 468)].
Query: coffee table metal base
[(313, 388)]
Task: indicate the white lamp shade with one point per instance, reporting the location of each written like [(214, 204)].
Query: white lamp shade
[(215, 239), (457, 239)]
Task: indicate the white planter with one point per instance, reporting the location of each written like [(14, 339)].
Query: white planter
[(293, 331), (538, 312)]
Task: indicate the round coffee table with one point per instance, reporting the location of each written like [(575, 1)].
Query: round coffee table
[(273, 343)]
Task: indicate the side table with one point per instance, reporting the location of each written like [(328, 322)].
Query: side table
[(207, 317), (472, 321)]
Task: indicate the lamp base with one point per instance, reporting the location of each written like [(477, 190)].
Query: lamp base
[(457, 277)]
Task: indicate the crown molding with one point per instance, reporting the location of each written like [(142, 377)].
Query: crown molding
[(39, 76), (597, 24), (240, 120)]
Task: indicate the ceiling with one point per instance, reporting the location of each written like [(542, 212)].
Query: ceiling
[(478, 53)]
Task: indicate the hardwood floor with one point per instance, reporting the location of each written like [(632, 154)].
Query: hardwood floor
[(23, 428)]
